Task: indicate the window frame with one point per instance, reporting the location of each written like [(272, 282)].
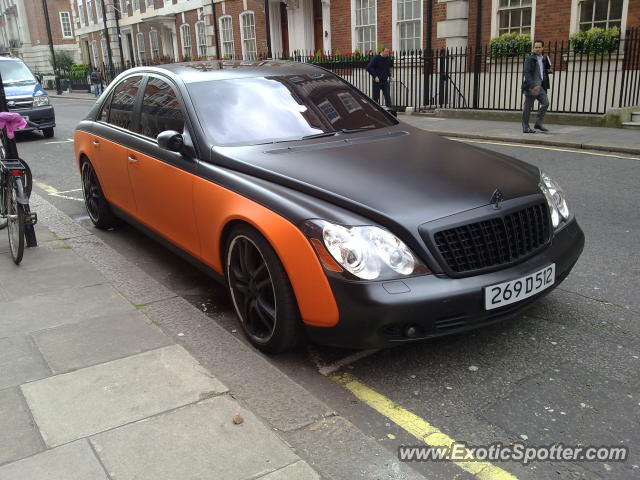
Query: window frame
[(223, 42), (141, 52), (356, 26), (81, 13), (499, 31), (155, 52), (105, 51), (184, 45), (592, 23), (94, 52), (135, 111), (91, 19), (62, 24), (201, 40), (397, 23), (244, 40)]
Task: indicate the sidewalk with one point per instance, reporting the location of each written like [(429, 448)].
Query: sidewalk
[(91, 388), (571, 136), (95, 383)]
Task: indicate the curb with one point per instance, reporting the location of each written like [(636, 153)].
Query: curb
[(539, 141), (73, 97)]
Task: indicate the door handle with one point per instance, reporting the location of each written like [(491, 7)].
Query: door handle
[(132, 159), (96, 143)]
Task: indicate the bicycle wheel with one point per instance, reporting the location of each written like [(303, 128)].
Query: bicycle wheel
[(15, 221)]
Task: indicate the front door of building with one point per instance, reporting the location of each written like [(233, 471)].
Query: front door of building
[(318, 43)]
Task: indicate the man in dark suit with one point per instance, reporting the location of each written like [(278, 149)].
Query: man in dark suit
[(533, 87), (380, 70)]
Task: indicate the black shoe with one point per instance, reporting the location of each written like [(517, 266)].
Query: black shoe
[(528, 130), (541, 128)]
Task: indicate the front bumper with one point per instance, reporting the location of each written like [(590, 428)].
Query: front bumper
[(43, 117), (377, 314)]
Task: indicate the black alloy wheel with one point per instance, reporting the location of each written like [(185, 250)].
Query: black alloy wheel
[(97, 207), (261, 292)]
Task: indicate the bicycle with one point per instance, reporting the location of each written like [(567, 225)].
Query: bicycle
[(15, 189)]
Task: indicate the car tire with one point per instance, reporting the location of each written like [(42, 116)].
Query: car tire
[(261, 292), (47, 132), (96, 204)]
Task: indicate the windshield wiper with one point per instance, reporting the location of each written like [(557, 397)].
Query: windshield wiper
[(337, 132)]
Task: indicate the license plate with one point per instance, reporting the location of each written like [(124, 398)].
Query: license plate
[(515, 290)]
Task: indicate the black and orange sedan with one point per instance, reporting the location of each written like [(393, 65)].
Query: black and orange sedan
[(325, 216)]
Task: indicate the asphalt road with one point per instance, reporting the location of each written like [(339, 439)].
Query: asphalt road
[(567, 371)]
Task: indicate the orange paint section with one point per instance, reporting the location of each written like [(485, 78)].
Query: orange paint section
[(216, 207)]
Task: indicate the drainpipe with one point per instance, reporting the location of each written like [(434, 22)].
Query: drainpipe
[(53, 53), (215, 28), (106, 34), (117, 14), (267, 22)]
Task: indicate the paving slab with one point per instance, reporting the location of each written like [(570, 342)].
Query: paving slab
[(88, 401), (297, 471), (45, 271), (335, 447), (20, 361), (48, 310), (74, 461), (200, 439), (70, 347), (19, 436)]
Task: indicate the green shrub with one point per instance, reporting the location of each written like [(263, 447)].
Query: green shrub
[(597, 41), (510, 45)]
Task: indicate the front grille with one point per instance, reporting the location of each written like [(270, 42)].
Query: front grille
[(19, 103), (494, 242)]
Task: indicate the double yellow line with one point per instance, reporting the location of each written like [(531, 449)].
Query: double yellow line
[(418, 427)]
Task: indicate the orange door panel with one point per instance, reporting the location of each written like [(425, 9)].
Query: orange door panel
[(164, 199), (216, 206), (109, 160)]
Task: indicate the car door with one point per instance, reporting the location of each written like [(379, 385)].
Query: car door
[(109, 141), (162, 181)]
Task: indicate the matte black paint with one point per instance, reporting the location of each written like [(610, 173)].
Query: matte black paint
[(399, 177)]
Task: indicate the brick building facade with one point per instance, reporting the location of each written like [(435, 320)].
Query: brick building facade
[(23, 31)]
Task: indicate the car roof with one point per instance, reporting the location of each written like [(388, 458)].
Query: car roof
[(203, 71)]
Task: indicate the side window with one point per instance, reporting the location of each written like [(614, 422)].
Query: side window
[(104, 113), (124, 97), (160, 109)]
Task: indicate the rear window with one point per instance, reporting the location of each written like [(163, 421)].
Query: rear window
[(123, 101), (248, 111)]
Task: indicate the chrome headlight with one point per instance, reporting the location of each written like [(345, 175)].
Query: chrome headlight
[(40, 100), (555, 198), (367, 252)]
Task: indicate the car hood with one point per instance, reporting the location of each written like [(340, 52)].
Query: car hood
[(23, 90), (401, 175)]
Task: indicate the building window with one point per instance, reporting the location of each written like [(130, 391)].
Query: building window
[(136, 5), (94, 53), (248, 34), (99, 9), (365, 25), (185, 35), (105, 51), (226, 36), (140, 42), (90, 12), (409, 24), (150, 4), (65, 23), (81, 13), (514, 16), (153, 43), (600, 13), (202, 39)]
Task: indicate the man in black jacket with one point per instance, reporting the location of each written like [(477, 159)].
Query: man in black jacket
[(380, 69), (533, 88)]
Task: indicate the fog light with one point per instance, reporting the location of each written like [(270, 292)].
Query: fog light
[(410, 331)]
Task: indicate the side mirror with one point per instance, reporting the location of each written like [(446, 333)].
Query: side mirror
[(171, 140), (392, 111), (39, 78)]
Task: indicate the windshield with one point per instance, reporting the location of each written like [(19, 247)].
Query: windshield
[(15, 72), (249, 111)]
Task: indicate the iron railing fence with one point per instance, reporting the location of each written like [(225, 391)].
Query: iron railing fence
[(468, 78)]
